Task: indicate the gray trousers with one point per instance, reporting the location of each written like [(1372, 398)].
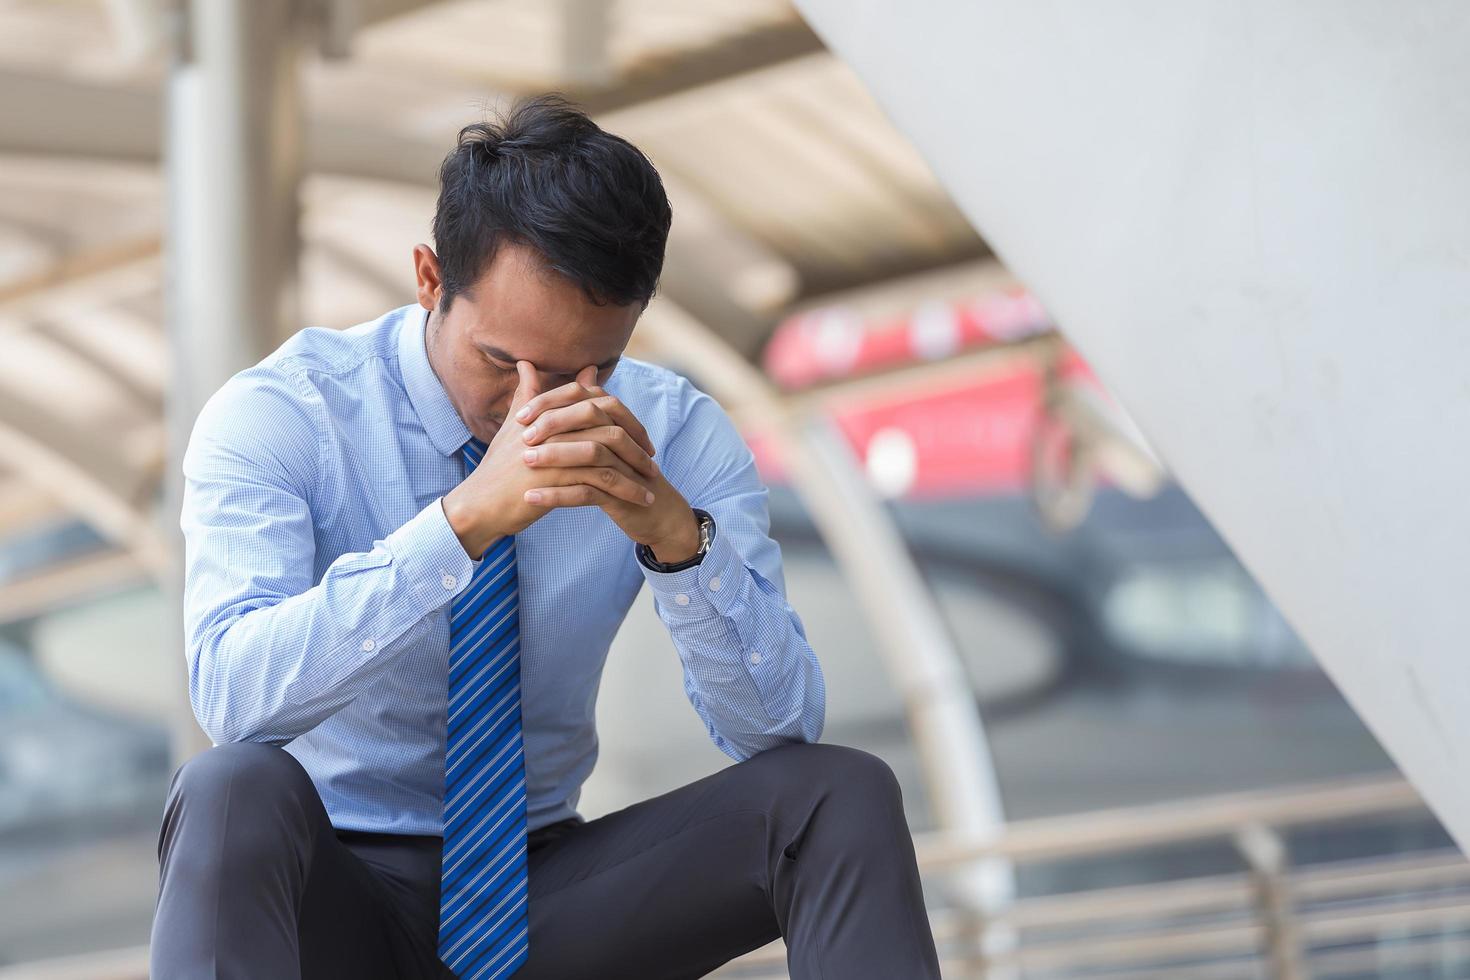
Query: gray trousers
[(805, 841)]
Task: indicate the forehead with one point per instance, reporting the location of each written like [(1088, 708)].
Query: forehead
[(521, 311)]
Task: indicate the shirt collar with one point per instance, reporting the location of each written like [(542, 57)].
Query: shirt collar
[(446, 429)]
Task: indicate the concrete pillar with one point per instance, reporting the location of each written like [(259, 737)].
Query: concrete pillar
[(232, 146)]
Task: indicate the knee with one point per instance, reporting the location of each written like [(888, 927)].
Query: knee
[(234, 810), (258, 796), (239, 774), (842, 771), (844, 800)]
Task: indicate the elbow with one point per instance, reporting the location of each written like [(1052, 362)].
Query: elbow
[(204, 691), (803, 725), (229, 708), (753, 745), (209, 688), (812, 716), (209, 711), (224, 727), (813, 721)]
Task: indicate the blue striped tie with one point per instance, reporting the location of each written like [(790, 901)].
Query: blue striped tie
[(483, 926)]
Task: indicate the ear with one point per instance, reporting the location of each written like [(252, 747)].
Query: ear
[(426, 275)]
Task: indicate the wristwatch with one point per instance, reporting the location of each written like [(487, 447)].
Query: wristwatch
[(706, 535)]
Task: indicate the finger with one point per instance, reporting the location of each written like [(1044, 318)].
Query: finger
[(557, 419), (600, 410), (599, 446), (595, 452), (562, 395), (623, 416), (527, 387), (579, 495), (607, 479)]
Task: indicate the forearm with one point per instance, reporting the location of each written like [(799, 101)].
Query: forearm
[(749, 670), (270, 668), (745, 716)]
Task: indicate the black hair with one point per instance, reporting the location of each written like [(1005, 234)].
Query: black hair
[(545, 175)]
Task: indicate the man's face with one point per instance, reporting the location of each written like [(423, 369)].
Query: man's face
[(517, 310)]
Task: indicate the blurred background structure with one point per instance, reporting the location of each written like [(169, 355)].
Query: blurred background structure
[(1118, 758)]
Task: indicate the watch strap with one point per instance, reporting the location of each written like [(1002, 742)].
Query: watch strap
[(707, 531)]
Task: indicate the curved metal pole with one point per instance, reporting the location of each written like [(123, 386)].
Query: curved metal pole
[(945, 724)]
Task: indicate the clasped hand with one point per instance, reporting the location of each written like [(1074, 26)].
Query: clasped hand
[(572, 446)]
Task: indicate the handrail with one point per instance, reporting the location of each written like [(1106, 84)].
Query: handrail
[(1147, 930), (1152, 825)]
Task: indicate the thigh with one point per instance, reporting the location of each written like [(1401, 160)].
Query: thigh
[(256, 881), (368, 912), (407, 873), (670, 887)]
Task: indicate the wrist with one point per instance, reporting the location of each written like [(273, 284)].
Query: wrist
[(475, 534), (681, 544)]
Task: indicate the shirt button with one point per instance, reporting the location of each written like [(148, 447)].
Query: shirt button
[(367, 645), (450, 581), (714, 584), (755, 658), (682, 599)]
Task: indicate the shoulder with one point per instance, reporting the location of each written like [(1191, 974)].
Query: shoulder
[(696, 439), (673, 408), (287, 382), (272, 412), (316, 352), (634, 375), (662, 391)]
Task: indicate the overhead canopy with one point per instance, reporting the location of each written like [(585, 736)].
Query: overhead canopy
[(789, 188)]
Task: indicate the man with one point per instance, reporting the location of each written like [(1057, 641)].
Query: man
[(408, 547)]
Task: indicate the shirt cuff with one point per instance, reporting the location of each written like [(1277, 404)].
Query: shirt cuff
[(711, 588), (431, 555)]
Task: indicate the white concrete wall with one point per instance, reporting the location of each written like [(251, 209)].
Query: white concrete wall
[(1253, 218)]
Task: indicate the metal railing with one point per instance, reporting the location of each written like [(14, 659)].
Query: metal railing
[(1270, 919)]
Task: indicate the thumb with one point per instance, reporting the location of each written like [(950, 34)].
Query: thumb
[(527, 387)]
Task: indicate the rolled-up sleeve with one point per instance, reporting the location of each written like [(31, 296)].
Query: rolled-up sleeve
[(271, 653), (749, 670)]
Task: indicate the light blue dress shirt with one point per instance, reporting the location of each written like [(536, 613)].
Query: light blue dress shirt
[(320, 570)]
